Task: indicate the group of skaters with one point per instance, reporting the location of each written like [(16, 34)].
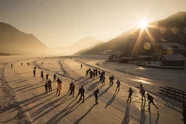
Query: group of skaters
[(48, 82), (11, 64), (81, 93), (92, 73), (150, 98)]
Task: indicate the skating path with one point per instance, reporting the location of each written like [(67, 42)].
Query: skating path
[(50, 109)]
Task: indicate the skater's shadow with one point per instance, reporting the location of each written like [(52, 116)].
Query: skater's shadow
[(81, 118), (126, 119), (110, 101), (143, 116), (104, 91), (62, 114), (92, 86), (150, 117), (157, 119)]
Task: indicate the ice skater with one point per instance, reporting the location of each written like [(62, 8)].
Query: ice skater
[(71, 89), (46, 87), (59, 87), (11, 65), (103, 81), (82, 94), (142, 92), (87, 72), (96, 92), (34, 72), (42, 75), (49, 85), (151, 100), (100, 78), (118, 86), (47, 75), (54, 77), (111, 80), (130, 94)]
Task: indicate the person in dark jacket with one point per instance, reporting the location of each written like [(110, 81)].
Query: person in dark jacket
[(47, 75), (46, 87), (72, 89), (81, 93), (111, 80), (87, 71), (11, 65), (54, 77), (49, 85), (42, 75), (151, 100), (103, 81), (59, 87), (34, 72), (118, 86), (96, 92), (142, 92), (130, 94)]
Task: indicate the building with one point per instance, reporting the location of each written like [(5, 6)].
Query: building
[(113, 58), (173, 60), (125, 59), (171, 54), (170, 48), (144, 58)]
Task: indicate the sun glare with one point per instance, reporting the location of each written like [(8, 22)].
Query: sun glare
[(143, 24)]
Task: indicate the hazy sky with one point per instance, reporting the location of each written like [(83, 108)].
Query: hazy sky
[(63, 22)]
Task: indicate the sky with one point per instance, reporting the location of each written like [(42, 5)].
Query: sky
[(60, 23)]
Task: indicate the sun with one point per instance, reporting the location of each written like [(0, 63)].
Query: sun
[(143, 24)]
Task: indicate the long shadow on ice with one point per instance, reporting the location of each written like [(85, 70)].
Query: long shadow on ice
[(106, 90), (19, 88), (51, 107), (84, 115), (92, 86), (110, 101), (157, 119), (24, 102), (143, 116), (150, 117), (126, 119), (62, 114)]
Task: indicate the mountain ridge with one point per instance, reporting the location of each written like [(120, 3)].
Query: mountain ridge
[(172, 29), (14, 41)]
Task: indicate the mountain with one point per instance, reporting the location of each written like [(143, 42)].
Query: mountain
[(136, 41), (13, 41), (82, 44), (86, 49)]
